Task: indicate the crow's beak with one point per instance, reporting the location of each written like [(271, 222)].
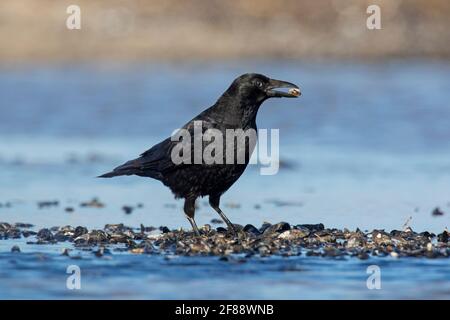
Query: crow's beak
[(293, 92)]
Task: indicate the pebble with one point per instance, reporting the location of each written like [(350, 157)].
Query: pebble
[(437, 212), (47, 204), (249, 228), (277, 228), (80, 231), (443, 237), (23, 225), (164, 229), (264, 226), (293, 234), (232, 205), (94, 203), (311, 227), (45, 235), (221, 230), (270, 239), (127, 209)]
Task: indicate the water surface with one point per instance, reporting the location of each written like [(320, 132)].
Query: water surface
[(367, 145)]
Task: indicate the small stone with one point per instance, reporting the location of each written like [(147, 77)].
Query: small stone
[(381, 237), (23, 225), (94, 203), (61, 236), (264, 226), (232, 205), (293, 234), (263, 251), (311, 227), (206, 228), (408, 230), (4, 226), (277, 228), (119, 227), (394, 254), (437, 212), (46, 204), (147, 229), (164, 229), (92, 238), (427, 235), (251, 229), (15, 249), (137, 250), (45, 234), (127, 209), (69, 209), (27, 233), (79, 231), (355, 242), (443, 237)]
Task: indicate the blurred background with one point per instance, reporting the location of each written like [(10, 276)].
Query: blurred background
[(136, 30), (367, 144)]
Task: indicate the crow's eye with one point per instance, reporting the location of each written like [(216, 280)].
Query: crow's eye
[(258, 84)]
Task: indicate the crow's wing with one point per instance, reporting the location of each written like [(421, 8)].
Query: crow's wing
[(159, 157), (157, 161)]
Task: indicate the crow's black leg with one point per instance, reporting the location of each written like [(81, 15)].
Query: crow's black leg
[(214, 201), (194, 226), (189, 210)]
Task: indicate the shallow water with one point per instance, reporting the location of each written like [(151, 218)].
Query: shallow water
[(367, 145), (40, 272)]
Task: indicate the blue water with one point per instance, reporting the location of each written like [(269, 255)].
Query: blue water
[(367, 145), (43, 275)]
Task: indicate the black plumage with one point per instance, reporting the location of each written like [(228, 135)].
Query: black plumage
[(235, 109)]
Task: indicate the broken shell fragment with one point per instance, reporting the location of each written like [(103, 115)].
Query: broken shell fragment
[(294, 92)]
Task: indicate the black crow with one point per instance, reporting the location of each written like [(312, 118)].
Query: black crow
[(235, 109)]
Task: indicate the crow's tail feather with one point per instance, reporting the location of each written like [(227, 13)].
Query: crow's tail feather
[(110, 174), (127, 169)]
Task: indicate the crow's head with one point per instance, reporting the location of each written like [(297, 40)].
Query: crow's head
[(253, 86)]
